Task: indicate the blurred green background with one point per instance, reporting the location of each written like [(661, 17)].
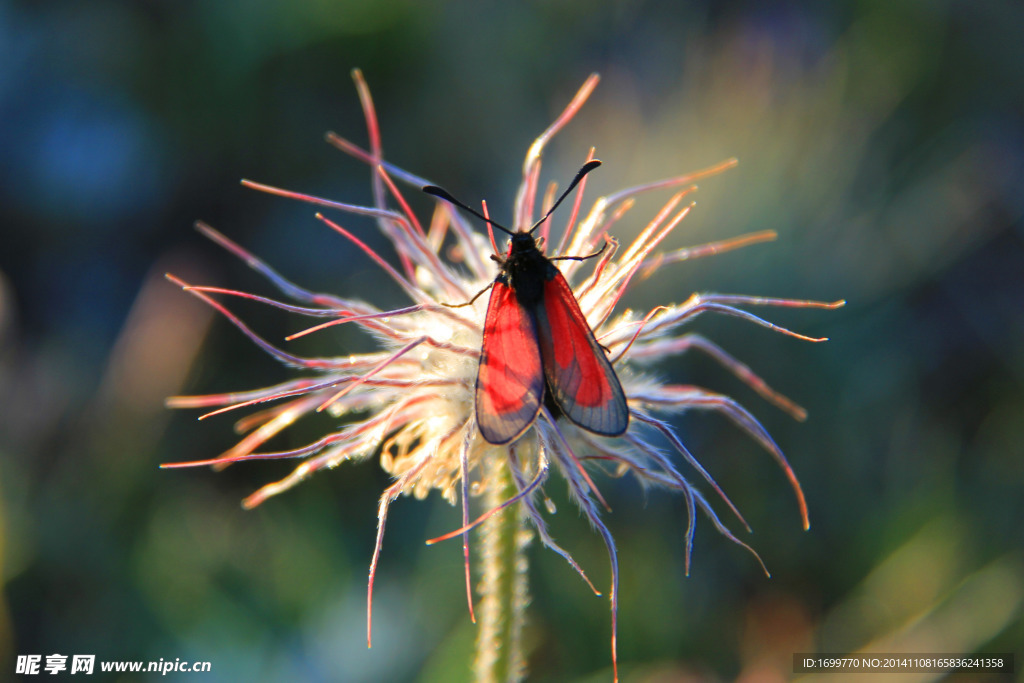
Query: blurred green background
[(883, 141)]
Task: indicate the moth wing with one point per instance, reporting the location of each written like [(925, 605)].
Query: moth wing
[(579, 375), (510, 381)]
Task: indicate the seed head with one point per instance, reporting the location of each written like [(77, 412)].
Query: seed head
[(411, 403)]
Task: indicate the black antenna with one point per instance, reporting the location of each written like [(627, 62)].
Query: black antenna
[(587, 168), (445, 195)]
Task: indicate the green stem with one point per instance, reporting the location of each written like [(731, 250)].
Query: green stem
[(504, 591)]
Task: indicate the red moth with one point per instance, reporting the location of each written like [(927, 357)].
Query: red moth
[(537, 346)]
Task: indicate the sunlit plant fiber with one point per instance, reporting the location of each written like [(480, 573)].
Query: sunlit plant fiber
[(412, 401)]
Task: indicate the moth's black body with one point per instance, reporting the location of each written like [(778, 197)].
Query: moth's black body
[(526, 270)]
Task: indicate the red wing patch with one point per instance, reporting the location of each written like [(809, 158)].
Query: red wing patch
[(579, 376), (509, 383)]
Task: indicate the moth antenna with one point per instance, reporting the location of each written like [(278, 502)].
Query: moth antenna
[(587, 168), (446, 195)]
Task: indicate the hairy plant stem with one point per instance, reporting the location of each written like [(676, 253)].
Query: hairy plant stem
[(504, 591)]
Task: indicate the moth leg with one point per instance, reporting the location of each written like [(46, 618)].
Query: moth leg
[(580, 258), (470, 302)]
